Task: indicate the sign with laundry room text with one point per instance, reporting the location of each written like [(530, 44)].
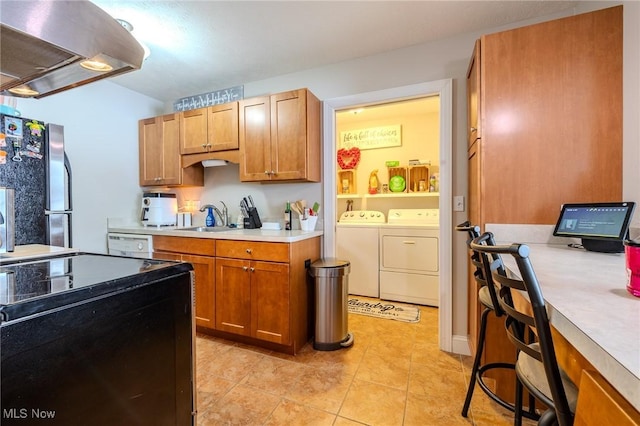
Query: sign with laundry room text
[(373, 137), (203, 100)]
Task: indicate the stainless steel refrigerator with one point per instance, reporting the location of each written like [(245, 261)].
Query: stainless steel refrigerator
[(34, 163)]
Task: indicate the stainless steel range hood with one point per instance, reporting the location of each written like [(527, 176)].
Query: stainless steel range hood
[(44, 46)]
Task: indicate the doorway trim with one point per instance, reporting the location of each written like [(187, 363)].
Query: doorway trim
[(444, 89)]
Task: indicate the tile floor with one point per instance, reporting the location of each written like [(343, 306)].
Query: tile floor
[(394, 374)]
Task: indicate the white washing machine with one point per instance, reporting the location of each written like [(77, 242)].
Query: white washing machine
[(409, 256), (357, 240)]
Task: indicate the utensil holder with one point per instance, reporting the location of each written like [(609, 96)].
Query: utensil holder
[(308, 224)]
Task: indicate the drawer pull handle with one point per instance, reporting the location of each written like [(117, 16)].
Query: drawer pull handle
[(408, 242), (249, 251), (244, 268)]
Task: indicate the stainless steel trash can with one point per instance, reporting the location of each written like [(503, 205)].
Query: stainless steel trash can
[(331, 291)]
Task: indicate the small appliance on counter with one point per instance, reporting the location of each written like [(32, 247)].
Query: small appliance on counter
[(159, 209)]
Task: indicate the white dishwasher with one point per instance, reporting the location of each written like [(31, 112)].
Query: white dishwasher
[(130, 245), (409, 257), (357, 241)]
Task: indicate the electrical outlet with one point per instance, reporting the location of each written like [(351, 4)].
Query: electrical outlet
[(458, 203)]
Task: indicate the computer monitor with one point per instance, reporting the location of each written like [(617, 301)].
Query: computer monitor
[(601, 226)]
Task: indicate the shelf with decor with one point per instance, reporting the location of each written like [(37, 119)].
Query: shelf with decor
[(391, 195)]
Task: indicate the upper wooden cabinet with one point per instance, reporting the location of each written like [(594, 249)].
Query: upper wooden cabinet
[(550, 111), (214, 128), (280, 137), (159, 149)]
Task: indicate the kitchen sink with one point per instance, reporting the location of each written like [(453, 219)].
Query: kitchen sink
[(208, 229)]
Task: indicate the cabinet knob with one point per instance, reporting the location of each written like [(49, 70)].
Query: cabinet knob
[(208, 145), (273, 172), (204, 145), (249, 250), (473, 129), (266, 172), (244, 268), (252, 269)]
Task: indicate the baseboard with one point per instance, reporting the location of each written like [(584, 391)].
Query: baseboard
[(460, 345)]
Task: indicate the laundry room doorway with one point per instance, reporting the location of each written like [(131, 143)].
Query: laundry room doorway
[(413, 194)]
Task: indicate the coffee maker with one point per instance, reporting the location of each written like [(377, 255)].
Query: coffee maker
[(159, 209), (7, 219)]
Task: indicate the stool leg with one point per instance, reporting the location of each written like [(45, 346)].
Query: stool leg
[(476, 361), (517, 418)]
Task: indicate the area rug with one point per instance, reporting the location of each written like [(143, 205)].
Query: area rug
[(383, 309)]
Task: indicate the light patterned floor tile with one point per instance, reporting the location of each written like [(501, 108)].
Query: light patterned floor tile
[(291, 413), (374, 404)]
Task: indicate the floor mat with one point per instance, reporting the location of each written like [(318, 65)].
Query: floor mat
[(383, 309)]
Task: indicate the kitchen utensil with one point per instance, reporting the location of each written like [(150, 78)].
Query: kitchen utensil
[(296, 208), (316, 208), (251, 201)]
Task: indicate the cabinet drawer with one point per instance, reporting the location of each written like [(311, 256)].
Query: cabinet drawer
[(201, 246), (410, 253), (253, 250)]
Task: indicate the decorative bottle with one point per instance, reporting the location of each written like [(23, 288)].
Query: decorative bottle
[(287, 217)]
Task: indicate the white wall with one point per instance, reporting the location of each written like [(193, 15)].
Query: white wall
[(101, 120), (101, 139)]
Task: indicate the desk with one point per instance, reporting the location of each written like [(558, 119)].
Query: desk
[(589, 306)]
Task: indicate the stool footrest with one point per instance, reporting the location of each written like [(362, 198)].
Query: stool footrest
[(509, 406)]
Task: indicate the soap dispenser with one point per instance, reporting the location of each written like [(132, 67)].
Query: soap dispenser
[(210, 220)]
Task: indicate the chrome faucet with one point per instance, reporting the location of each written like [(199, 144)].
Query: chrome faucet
[(224, 215)]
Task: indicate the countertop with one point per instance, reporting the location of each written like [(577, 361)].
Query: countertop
[(231, 234), (589, 305), (34, 251)]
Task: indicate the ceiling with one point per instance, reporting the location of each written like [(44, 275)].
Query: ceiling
[(202, 46)]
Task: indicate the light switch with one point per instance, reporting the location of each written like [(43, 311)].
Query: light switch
[(458, 203)]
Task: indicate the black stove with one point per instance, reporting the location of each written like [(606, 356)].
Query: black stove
[(32, 286)]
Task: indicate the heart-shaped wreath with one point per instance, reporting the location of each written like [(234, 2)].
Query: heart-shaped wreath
[(348, 158)]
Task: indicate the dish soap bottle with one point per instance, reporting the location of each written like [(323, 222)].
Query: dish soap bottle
[(287, 217), (210, 220)]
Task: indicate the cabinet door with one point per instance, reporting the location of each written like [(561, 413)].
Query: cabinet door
[(150, 140), (159, 150), (193, 138), (222, 128), (473, 97), (288, 135), (270, 301), (255, 139), (204, 291), (204, 268), (233, 296)]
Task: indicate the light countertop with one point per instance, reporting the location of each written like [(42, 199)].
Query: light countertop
[(231, 234), (33, 251), (589, 305)]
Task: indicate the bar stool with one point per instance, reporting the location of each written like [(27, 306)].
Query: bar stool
[(487, 296), (536, 367)]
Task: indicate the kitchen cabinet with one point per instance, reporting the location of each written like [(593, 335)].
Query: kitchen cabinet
[(200, 253), (251, 298), (159, 154), (210, 129), (545, 128), (264, 294), (280, 137)]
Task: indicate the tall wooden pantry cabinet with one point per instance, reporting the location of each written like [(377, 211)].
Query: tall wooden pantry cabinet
[(545, 128)]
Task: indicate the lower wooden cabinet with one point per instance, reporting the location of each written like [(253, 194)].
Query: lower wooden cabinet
[(191, 250), (255, 292), (252, 299)]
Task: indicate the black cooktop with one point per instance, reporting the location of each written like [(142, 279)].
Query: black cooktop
[(37, 285)]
